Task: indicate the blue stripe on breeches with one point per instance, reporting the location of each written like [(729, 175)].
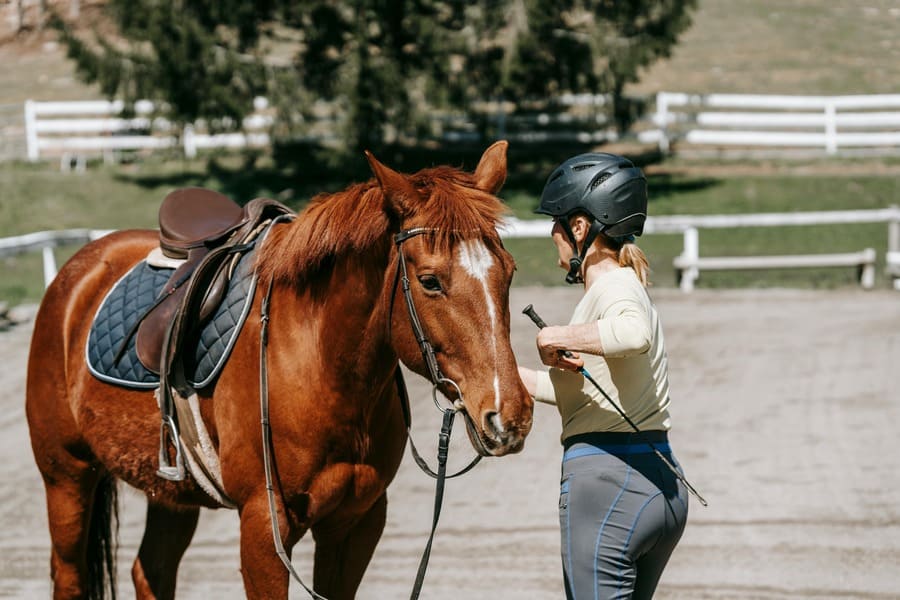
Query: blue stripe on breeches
[(621, 513)]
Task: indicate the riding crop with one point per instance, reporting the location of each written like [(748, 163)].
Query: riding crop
[(529, 310)]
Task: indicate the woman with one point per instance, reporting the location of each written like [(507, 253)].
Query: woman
[(621, 508)]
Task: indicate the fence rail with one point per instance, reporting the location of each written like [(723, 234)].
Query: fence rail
[(46, 241), (830, 123), (73, 129), (688, 263)]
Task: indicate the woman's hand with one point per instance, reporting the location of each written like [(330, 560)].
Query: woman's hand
[(551, 345)]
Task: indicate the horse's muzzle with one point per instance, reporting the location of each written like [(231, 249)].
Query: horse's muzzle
[(493, 438)]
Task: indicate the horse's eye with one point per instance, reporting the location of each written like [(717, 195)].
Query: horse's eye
[(430, 283)]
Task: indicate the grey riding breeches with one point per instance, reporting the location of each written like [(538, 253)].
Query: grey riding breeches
[(621, 513)]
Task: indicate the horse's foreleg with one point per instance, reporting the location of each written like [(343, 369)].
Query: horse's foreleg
[(166, 536), (265, 577), (343, 551)]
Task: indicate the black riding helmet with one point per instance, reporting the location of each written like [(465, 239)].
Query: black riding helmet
[(606, 187)]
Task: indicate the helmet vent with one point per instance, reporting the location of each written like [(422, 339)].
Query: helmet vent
[(556, 176), (599, 179), (582, 167)]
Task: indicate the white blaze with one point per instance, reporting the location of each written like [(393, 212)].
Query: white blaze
[(477, 261)]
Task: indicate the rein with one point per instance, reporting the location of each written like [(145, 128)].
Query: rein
[(437, 380)]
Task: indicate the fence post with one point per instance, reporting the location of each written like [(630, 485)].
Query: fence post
[(830, 128), (49, 265), (893, 247), (662, 121), (31, 137), (691, 253), (190, 148), (867, 272), (894, 230)]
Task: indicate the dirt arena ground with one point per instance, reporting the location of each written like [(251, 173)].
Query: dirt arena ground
[(786, 411)]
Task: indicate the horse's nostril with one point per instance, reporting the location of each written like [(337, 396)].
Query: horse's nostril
[(494, 425)]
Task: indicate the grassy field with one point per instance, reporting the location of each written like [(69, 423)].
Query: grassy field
[(39, 197)]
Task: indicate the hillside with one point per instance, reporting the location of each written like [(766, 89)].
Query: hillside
[(744, 46), (777, 47)]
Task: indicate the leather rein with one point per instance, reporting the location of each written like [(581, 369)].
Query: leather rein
[(437, 378)]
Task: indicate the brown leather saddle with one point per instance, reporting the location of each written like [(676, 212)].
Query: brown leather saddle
[(209, 232)]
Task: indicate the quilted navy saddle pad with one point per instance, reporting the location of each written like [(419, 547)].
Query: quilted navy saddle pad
[(130, 298)]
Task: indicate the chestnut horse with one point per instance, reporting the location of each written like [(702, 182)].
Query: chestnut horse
[(335, 336)]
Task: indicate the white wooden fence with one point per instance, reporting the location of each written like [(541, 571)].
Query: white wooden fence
[(689, 263), (46, 241), (829, 123), (76, 129)]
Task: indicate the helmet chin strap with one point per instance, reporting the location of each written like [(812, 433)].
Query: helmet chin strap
[(574, 275)]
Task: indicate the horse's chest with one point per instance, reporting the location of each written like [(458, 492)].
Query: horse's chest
[(346, 489)]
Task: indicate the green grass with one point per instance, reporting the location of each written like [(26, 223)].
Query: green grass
[(39, 197), (675, 194)]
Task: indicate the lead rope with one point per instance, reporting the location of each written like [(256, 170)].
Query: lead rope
[(267, 442), (443, 451)]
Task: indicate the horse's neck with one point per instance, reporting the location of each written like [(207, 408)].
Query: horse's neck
[(344, 317)]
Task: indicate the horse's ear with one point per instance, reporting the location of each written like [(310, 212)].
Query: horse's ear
[(399, 193), (490, 174)]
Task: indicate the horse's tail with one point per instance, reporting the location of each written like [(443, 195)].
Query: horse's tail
[(103, 538)]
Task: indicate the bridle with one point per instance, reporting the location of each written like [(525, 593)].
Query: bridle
[(437, 378), (435, 375)]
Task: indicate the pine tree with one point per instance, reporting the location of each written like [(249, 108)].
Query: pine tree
[(384, 64), (594, 46), (198, 58)]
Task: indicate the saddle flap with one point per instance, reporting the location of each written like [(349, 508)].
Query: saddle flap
[(152, 330)]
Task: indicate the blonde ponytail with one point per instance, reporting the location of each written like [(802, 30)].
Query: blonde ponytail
[(630, 255)]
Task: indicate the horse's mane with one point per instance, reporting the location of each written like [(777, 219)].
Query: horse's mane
[(356, 221)]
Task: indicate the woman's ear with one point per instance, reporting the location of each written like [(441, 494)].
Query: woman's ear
[(580, 227)]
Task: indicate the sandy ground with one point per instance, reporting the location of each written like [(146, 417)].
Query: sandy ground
[(785, 408)]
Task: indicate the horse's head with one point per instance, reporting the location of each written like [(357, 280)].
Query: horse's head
[(459, 276)]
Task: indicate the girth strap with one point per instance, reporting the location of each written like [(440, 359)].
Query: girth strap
[(172, 370)]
